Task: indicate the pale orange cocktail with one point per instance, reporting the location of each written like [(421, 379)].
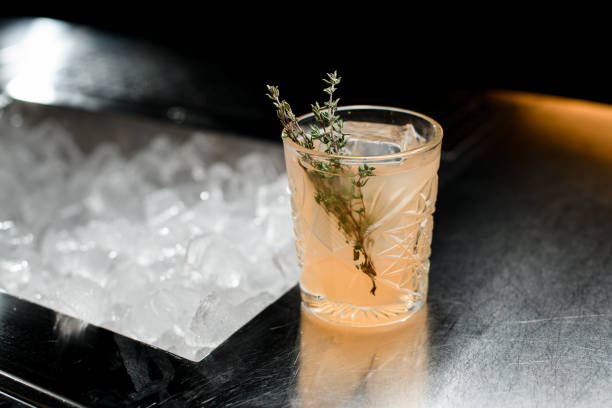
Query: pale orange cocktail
[(363, 219)]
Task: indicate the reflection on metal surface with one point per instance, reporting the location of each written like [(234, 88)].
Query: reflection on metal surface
[(362, 367), (58, 63), (36, 59), (68, 329)]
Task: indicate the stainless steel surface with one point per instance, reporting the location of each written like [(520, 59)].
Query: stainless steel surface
[(519, 310)]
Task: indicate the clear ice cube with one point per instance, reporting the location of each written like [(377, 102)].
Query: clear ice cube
[(218, 261), (166, 308), (169, 246), (15, 268), (380, 138), (162, 205), (81, 298)]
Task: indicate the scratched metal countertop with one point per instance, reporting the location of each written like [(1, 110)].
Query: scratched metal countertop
[(519, 311), (518, 314)]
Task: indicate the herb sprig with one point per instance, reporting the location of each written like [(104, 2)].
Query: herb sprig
[(344, 202)]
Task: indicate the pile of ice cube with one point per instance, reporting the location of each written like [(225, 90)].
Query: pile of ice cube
[(167, 246)]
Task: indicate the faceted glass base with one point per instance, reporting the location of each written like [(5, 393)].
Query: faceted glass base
[(359, 316)]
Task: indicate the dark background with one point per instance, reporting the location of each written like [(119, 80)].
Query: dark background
[(386, 55), (516, 49)]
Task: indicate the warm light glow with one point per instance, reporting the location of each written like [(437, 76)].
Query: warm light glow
[(574, 125)]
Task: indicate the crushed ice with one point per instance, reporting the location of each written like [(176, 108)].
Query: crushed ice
[(167, 246)]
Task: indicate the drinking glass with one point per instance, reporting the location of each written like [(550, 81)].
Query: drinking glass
[(363, 219)]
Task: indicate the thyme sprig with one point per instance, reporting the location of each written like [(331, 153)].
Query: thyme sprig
[(342, 200), (291, 127), (331, 132)]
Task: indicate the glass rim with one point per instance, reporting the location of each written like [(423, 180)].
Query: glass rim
[(435, 141)]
